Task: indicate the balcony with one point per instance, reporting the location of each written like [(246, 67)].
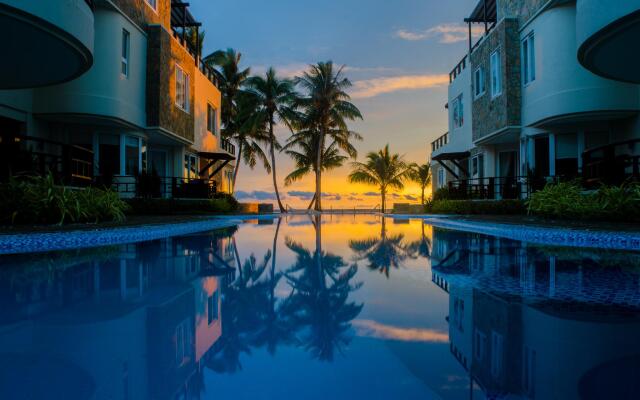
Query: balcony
[(440, 142), (607, 31), (228, 147), (58, 31)]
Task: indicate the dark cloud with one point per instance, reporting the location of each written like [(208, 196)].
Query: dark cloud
[(301, 194), (256, 194), (371, 194), (410, 197)]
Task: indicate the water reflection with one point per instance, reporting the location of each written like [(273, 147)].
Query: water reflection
[(280, 308)]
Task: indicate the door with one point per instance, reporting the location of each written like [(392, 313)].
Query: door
[(508, 170)]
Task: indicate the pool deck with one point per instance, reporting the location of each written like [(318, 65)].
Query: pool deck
[(29, 239)]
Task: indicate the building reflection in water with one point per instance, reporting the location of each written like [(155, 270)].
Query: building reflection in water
[(125, 322), (538, 322)]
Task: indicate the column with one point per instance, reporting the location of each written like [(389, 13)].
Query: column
[(552, 154)]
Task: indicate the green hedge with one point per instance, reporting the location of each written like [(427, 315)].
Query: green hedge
[(569, 201), (483, 207), (222, 203), (38, 200)]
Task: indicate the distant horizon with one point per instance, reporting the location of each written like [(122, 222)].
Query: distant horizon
[(398, 56)]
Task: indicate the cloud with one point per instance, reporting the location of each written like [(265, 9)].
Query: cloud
[(376, 86), (284, 71), (256, 194), (369, 328), (301, 194), (410, 197), (371, 194), (445, 33)]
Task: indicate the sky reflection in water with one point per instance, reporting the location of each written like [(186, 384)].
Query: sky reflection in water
[(352, 307)]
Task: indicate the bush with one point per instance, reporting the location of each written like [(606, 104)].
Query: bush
[(446, 193), (39, 200), (568, 201), (484, 207)]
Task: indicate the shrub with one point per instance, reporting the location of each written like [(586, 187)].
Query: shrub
[(222, 203), (34, 199), (568, 201), (484, 207), (446, 193)]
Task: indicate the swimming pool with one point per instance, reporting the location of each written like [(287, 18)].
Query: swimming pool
[(339, 307)]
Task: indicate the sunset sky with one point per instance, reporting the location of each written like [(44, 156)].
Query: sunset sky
[(398, 55)]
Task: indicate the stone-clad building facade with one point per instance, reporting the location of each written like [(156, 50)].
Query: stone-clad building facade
[(525, 107)]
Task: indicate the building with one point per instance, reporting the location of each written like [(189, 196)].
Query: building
[(546, 93), (112, 92)]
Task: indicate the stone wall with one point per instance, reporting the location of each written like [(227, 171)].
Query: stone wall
[(163, 54), (492, 114), (523, 10), (142, 14)]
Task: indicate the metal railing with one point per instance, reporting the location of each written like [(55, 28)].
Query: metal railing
[(611, 164), (207, 71), (228, 146), (457, 70), (28, 155), (440, 142), (151, 186), (495, 188)]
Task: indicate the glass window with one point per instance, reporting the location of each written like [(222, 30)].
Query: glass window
[(153, 4), (479, 86), (131, 155), (496, 74), (182, 89), (441, 181), (109, 155), (212, 119), (183, 341), (528, 59), (125, 53), (458, 112), (212, 307), (191, 166)]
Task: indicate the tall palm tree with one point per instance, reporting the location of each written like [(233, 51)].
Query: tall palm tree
[(325, 111), (236, 107), (421, 174), (303, 150), (275, 98), (382, 169)]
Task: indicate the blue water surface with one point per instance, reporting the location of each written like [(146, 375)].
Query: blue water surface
[(337, 307)]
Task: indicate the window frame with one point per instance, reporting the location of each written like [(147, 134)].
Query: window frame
[(212, 119), (153, 6), (185, 92), (125, 53), (528, 51), (458, 110), (497, 64), (479, 72)]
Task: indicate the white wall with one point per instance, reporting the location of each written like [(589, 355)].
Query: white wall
[(460, 139), (562, 85), (103, 90)]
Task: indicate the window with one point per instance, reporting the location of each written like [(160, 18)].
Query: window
[(190, 166), (183, 341), (153, 4), (496, 74), (528, 59), (458, 313), (212, 307), (212, 119), (479, 86), (497, 342), (479, 345), (132, 155), (474, 166), (124, 68), (182, 89), (458, 112), (528, 370), (441, 181)]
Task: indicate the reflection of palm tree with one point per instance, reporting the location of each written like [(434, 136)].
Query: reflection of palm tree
[(422, 246), (318, 306), (382, 252)]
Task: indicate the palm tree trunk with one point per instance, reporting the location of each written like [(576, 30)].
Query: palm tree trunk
[(383, 192), (318, 168), (237, 168), (422, 200), (313, 200), (273, 165)]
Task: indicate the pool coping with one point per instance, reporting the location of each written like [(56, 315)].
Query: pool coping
[(537, 234), (55, 241)]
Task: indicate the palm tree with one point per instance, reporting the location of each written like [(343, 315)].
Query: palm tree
[(325, 111), (305, 157), (421, 174), (274, 97), (236, 108), (421, 247), (382, 169), (382, 252)]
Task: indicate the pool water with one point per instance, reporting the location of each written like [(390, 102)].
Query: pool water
[(321, 308)]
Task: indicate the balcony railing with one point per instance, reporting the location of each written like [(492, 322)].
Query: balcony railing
[(207, 71), (440, 142), (494, 188), (457, 70), (228, 147), (151, 186)]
